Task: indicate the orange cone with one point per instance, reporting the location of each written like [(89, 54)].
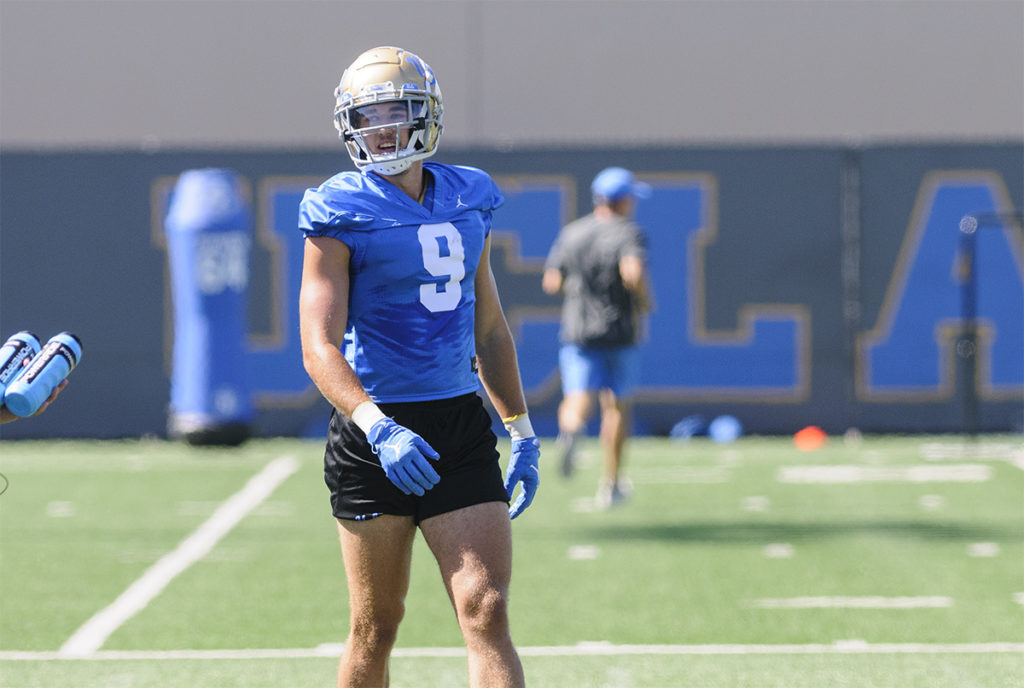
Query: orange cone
[(810, 438)]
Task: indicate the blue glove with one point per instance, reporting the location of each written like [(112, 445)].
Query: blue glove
[(403, 456), (523, 468)]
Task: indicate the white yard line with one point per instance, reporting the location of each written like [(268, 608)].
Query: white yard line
[(846, 647), (1011, 452), (91, 636), (844, 474), (868, 602)]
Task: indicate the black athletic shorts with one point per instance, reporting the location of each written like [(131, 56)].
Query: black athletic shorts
[(459, 429)]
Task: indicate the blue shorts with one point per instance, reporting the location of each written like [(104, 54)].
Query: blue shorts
[(588, 369)]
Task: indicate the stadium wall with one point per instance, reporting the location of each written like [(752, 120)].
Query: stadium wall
[(794, 285), (259, 74)]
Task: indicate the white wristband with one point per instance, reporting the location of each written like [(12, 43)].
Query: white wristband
[(365, 415), (519, 427)]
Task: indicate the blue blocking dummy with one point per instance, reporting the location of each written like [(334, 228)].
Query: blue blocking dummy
[(209, 234), (26, 394)]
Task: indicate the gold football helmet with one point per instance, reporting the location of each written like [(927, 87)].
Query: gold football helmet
[(407, 87)]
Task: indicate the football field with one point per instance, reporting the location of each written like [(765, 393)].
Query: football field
[(887, 561)]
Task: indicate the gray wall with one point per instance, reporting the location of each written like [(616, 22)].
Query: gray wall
[(172, 74)]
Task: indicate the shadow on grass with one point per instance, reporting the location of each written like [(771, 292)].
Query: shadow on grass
[(733, 532)]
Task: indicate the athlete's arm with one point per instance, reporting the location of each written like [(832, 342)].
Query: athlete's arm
[(323, 313), (551, 282), (499, 373), (495, 350), (634, 277)]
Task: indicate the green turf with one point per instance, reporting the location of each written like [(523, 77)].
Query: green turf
[(856, 671), (690, 560)]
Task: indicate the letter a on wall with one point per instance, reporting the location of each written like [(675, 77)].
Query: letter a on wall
[(910, 354)]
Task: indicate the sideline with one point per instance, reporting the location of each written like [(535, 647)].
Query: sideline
[(88, 639), (333, 650)]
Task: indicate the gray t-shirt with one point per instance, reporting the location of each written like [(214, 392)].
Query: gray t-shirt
[(598, 309)]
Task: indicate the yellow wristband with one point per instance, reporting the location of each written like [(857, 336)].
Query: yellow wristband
[(519, 427), (512, 418)]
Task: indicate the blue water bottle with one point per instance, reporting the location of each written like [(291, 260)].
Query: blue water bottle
[(16, 350), (48, 369)]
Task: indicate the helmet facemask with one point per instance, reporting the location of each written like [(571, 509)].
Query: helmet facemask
[(369, 107)]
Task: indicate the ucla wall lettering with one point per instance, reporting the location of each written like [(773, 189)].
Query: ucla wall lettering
[(769, 304), (765, 358), (909, 354)]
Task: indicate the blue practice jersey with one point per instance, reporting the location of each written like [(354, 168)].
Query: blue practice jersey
[(410, 330)]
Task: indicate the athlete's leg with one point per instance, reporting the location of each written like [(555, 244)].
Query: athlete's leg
[(473, 548), (621, 369), (377, 555), (574, 410), (573, 413), (576, 368), (614, 421)]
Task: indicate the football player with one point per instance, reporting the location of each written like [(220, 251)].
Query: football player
[(401, 324)]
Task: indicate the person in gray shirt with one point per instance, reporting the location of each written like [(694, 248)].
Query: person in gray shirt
[(598, 265)]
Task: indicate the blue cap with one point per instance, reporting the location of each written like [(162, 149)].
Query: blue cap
[(615, 182)]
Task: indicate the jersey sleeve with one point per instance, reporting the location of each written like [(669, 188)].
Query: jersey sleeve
[(341, 208), (635, 243), (315, 214), (323, 214), (496, 200), (492, 200), (554, 258)]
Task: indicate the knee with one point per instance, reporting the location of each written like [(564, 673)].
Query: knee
[(483, 610), (375, 631), (575, 409)]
